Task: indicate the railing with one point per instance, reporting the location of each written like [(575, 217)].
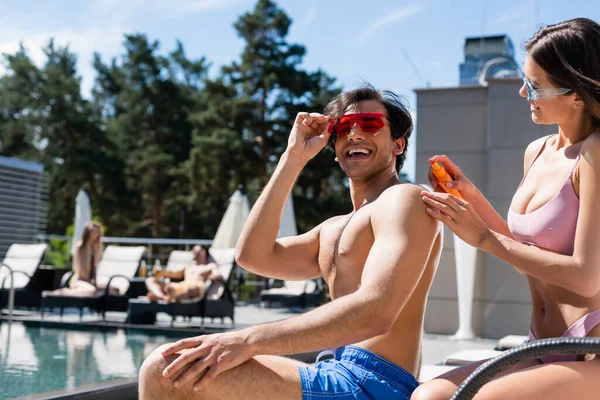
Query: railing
[(11, 293), (149, 242)]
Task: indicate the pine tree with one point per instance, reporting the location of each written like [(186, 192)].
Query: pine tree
[(147, 100)]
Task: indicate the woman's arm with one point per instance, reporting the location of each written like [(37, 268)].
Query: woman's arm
[(473, 195), (579, 273), (469, 191), (485, 210)]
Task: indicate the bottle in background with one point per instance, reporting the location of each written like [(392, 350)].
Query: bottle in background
[(143, 269)]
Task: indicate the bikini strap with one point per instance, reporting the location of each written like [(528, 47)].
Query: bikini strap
[(539, 153)]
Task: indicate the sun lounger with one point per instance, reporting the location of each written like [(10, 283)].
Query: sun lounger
[(510, 341), (468, 356), (527, 351), (428, 372), (118, 265), (179, 259), (217, 302), (24, 260), (293, 294)]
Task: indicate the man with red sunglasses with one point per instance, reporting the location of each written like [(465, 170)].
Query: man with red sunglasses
[(379, 261)]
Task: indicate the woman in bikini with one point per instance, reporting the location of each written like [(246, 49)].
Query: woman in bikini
[(553, 226), (86, 257)]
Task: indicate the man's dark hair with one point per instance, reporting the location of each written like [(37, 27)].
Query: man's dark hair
[(399, 117), (569, 52)]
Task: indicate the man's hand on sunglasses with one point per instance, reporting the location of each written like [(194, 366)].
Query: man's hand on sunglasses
[(309, 135)]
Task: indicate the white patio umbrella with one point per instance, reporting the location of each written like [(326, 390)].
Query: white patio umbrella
[(231, 225), (288, 220), (83, 215)]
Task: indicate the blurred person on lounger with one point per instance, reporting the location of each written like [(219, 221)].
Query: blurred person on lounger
[(86, 257), (189, 282)]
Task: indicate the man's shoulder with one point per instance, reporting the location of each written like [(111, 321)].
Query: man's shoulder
[(403, 203), (402, 191)]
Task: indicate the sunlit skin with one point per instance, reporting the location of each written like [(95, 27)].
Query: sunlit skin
[(563, 287)]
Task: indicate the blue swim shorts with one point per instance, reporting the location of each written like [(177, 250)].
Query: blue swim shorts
[(356, 373)]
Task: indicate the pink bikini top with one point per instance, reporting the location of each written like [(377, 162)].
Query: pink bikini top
[(553, 225)]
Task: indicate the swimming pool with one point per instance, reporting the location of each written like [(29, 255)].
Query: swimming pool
[(36, 359)]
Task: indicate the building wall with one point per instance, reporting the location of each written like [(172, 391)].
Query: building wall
[(485, 131), (23, 202)]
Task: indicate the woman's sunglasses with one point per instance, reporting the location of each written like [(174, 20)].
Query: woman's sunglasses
[(534, 94), (367, 122)]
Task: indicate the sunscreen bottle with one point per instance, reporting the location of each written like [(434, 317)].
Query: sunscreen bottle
[(442, 177)]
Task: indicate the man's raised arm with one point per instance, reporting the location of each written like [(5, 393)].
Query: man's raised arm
[(404, 236), (258, 249)]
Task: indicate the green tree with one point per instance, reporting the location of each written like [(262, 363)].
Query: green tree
[(45, 118), (220, 158), (19, 107), (267, 77), (146, 99), (249, 111)]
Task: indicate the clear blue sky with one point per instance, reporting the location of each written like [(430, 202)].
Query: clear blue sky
[(352, 40)]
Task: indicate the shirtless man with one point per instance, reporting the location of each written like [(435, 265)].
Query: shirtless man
[(379, 261), (192, 279)]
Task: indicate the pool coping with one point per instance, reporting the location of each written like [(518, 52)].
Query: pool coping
[(123, 389), (99, 325)]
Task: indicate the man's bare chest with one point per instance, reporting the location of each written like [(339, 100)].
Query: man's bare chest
[(344, 247)]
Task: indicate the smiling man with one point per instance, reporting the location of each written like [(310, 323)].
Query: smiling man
[(378, 261)]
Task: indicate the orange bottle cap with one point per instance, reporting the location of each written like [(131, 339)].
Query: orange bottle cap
[(438, 170)]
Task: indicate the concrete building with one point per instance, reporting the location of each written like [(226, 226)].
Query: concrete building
[(23, 202), (484, 130)]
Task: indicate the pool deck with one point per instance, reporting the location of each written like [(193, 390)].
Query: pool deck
[(435, 347)]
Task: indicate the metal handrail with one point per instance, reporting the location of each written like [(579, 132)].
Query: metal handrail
[(129, 240), (528, 351), (11, 293), (144, 241)]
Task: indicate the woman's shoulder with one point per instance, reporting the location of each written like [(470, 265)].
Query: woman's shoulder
[(535, 146), (533, 149), (590, 149), (591, 142)]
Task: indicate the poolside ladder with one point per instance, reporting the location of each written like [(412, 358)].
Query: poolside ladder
[(11, 293)]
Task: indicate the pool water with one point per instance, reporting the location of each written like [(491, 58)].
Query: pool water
[(35, 359)]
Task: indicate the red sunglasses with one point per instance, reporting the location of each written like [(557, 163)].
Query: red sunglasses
[(367, 122)]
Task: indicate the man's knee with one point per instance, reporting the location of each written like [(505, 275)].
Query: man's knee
[(430, 391), (152, 385)]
